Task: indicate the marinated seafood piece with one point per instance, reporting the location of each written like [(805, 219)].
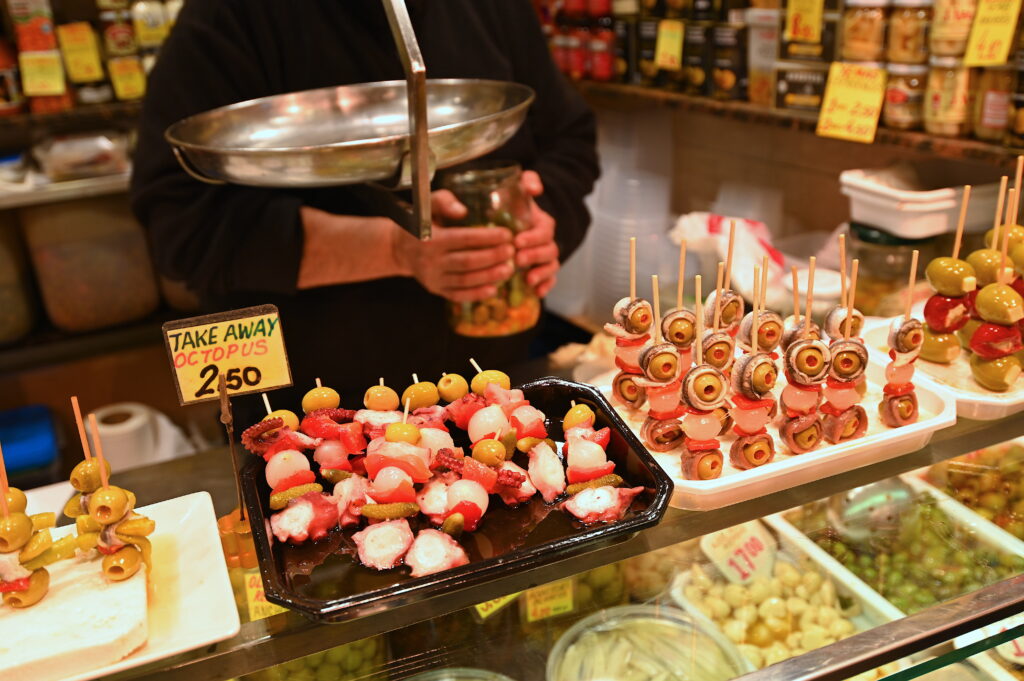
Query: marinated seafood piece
[(546, 472), (793, 330), (429, 418), (731, 314), (719, 349), (631, 330), (801, 433), (513, 496), (627, 392), (376, 422), (434, 551), (469, 500), (703, 392), (310, 516), (835, 323), (662, 435), (462, 410), (350, 496), (270, 436), (769, 332), (383, 545), (679, 327), (601, 504), (433, 500)]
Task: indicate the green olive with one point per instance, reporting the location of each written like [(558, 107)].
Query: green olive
[(15, 532), (710, 466), (850, 427), (809, 361), (122, 564), (1016, 237), (39, 542), (997, 375), (381, 398), (718, 355), (809, 437), (941, 348), (757, 453), (986, 263), (640, 319), (485, 378), (663, 366), (999, 304), (489, 452), (764, 377), (420, 395), (1017, 258), (680, 332), (707, 387), (578, 415), (769, 335), (38, 585), (108, 504), (966, 332), (85, 523), (17, 502), (291, 420), (452, 387), (951, 276), (85, 477), (320, 397), (846, 363)]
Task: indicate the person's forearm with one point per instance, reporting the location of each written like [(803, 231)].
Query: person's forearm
[(343, 249)]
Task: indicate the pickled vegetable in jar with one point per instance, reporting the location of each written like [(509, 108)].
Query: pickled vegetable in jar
[(948, 97), (992, 103), (951, 26), (864, 30), (908, 31), (493, 197), (904, 96)]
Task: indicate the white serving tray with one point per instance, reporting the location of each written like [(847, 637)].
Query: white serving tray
[(788, 470), (972, 401), (191, 603)]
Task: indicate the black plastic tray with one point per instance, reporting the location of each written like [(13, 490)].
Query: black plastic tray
[(324, 580)]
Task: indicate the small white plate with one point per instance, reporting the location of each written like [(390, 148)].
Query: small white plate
[(191, 603)]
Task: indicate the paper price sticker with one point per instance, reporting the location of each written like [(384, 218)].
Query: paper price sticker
[(992, 32), (853, 102), (42, 73), (493, 606), (256, 598), (81, 52), (804, 19), (550, 600), (246, 345), (128, 77), (741, 552), (1011, 651), (668, 48)]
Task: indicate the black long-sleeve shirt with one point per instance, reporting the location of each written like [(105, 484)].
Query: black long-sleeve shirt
[(237, 246)]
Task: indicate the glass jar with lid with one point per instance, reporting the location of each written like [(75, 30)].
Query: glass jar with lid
[(904, 96), (908, 31), (951, 26), (947, 110), (884, 263), (864, 24), (992, 102)]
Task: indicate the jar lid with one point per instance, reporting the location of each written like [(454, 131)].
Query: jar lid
[(946, 62), (874, 235), (867, 3), (907, 69), (912, 3), (869, 64)]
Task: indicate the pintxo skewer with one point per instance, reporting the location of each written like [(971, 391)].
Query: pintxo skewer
[(679, 325), (661, 380), (795, 327), (836, 319), (844, 419), (724, 308), (769, 327), (719, 347), (899, 405), (631, 329)]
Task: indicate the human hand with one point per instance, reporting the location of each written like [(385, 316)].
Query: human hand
[(461, 264), (536, 250)]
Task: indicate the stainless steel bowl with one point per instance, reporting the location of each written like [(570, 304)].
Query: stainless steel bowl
[(345, 135)]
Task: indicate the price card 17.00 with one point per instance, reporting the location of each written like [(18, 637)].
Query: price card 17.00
[(246, 346), (741, 552)]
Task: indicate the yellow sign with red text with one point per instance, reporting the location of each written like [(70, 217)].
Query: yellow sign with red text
[(42, 73), (804, 19), (853, 102), (668, 48), (742, 552), (992, 32), (81, 52), (550, 600), (256, 599)]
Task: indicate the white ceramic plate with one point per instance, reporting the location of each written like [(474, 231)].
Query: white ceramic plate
[(189, 577)]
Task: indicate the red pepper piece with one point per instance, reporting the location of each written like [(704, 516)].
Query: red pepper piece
[(17, 585), (576, 474), (945, 314), (471, 515), (410, 463), (992, 341), (478, 472), (404, 493), (300, 478), (532, 428)]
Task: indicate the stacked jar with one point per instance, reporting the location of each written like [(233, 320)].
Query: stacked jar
[(865, 23), (907, 44), (950, 91)]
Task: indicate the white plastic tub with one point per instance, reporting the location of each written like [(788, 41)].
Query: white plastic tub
[(918, 201)]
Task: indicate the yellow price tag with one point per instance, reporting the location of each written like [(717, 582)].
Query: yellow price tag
[(803, 21), (81, 52), (742, 552), (246, 345), (852, 103), (256, 599), (668, 48), (128, 77), (550, 600), (42, 73), (992, 32), (488, 608)]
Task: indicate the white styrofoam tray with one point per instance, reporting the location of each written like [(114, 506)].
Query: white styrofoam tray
[(972, 401), (937, 411)]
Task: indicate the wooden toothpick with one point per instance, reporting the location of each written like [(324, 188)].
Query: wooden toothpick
[(415, 378), (682, 275), (850, 300), (81, 427), (796, 292), (1016, 185), (997, 222), (1005, 246), (98, 441), (657, 308), (319, 384), (475, 365), (728, 254), (718, 295), (960, 223), (698, 340), (632, 268), (266, 404), (227, 419), (3, 486), (809, 305), (381, 382), (910, 284), (754, 345), (405, 415), (842, 268)]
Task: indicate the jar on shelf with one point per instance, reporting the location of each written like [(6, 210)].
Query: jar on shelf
[(951, 26), (947, 110), (908, 31), (904, 96), (992, 102), (864, 30), (884, 264), (493, 197)]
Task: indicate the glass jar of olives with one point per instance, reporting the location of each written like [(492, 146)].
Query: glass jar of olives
[(947, 110), (493, 197)]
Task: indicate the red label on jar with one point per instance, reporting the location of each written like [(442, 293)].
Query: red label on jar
[(602, 59), (574, 6), (577, 53), (599, 8)]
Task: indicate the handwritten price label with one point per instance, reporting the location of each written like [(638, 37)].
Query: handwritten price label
[(81, 52), (550, 600), (741, 552), (803, 21), (42, 73), (853, 102), (668, 49), (1011, 651), (992, 32), (256, 599), (128, 77), (246, 345), (493, 606)]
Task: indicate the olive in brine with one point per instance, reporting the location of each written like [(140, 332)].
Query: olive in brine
[(660, 362), (941, 348), (999, 304), (15, 531), (17, 502), (85, 477), (986, 263), (109, 504), (951, 276), (679, 327), (122, 564), (995, 241), (38, 585), (997, 375)]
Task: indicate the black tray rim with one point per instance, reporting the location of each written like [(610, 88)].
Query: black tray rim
[(467, 576)]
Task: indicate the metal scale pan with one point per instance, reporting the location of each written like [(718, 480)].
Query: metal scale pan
[(356, 134)]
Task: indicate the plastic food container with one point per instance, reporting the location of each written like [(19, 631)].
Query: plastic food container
[(915, 201), (91, 261), (460, 674), (708, 655)]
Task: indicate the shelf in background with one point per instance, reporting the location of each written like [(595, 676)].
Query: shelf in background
[(962, 149), (20, 131), (65, 191)]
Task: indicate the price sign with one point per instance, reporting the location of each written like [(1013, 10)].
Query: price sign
[(256, 599), (1011, 651), (488, 608), (550, 600), (246, 345), (81, 52), (42, 73), (668, 48), (852, 103), (804, 19), (741, 552), (128, 77), (992, 32)]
